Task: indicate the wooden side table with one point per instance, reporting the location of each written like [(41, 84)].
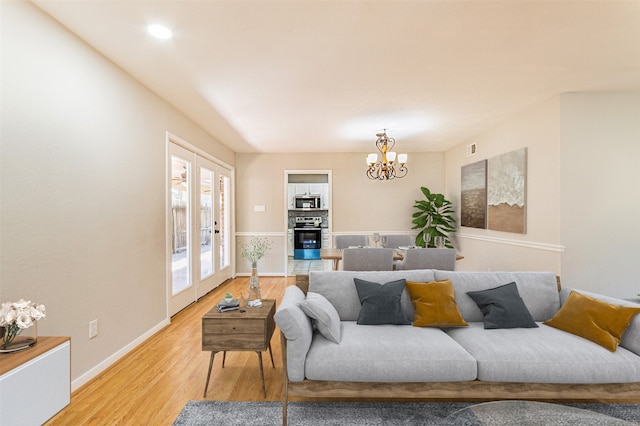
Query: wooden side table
[(247, 329)]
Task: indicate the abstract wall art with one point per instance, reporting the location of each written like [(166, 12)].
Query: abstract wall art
[(506, 192), (493, 193), (473, 212)]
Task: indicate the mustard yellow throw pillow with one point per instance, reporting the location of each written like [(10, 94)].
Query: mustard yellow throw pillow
[(592, 319), (435, 304)]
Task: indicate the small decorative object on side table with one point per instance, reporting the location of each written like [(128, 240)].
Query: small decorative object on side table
[(239, 330), (14, 318)]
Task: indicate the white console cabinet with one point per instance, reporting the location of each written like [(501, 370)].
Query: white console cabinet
[(35, 383)]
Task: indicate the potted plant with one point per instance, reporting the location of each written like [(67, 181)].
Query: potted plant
[(434, 217)]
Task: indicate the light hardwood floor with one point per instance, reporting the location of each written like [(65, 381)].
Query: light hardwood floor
[(151, 385)]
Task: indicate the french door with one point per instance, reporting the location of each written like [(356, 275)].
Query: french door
[(199, 212)]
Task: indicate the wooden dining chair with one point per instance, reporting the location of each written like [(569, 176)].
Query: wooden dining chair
[(367, 259), (443, 259)]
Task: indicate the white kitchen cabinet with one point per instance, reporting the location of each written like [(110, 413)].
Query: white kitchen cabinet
[(326, 238), (290, 242), (35, 383), (301, 189), (324, 196), (291, 193), (316, 188)]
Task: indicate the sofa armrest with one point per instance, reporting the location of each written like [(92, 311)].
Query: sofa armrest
[(631, 337), (297, 329)]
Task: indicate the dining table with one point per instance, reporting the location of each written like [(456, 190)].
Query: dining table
[(335, 255)]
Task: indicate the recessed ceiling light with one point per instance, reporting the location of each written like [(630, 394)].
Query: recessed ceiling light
[(160, 31)]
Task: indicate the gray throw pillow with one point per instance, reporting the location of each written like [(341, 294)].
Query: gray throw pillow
[(323, 314), (503, 307), (380, 302)]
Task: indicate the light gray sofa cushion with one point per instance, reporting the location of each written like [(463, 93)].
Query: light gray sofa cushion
[(297, 328), (539, 291), (339, 288), (323, 314), (389, 353), (544, 355), (631, 337)]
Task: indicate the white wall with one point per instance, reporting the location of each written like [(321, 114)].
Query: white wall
[(360, 205), (583, 193), (82, 188), (537, 129), (601, 192)]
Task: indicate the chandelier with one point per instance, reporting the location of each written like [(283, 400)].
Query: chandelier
[(386, 168)]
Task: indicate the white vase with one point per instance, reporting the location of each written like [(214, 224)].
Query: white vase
[(254, 299)]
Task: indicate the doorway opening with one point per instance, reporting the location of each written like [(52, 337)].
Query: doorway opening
[(307, 219)]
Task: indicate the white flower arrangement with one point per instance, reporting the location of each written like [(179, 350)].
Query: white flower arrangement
[(16, 316), (255, 249)]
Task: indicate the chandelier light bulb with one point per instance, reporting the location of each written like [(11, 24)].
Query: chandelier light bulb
[(372, 158), (391, 156), (402, 158)]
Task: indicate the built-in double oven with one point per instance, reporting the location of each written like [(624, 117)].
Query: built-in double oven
[(307, 238)]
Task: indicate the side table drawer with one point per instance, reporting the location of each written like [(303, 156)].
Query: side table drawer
[(234, 335), (244, 326)]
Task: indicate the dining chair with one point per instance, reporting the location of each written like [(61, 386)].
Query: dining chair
[(398, 240), (443, 259), (367, 259), (346, 241)]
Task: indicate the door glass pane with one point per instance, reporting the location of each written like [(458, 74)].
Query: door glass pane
[(180, 224), (206, 219), (223, 222)]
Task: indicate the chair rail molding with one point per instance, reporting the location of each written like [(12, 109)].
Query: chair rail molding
[(558, 248), (261, 234), (374, 232)]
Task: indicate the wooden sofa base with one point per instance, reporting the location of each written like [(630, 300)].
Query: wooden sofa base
[(463, 390), (471, 390)]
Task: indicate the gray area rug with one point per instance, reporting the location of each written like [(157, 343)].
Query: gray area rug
[(390, 413)]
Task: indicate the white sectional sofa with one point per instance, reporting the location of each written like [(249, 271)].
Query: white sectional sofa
[(468, 362)]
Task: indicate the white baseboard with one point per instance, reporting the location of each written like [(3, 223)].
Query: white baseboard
[(262, 274), (95, 371)]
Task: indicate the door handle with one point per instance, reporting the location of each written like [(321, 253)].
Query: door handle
[(216, 231)]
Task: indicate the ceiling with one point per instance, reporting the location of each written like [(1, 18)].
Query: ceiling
[(323, 76)]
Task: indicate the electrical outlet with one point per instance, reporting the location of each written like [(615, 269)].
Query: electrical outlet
[(93, 328)]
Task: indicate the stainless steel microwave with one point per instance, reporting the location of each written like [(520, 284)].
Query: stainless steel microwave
[(307, 202)]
